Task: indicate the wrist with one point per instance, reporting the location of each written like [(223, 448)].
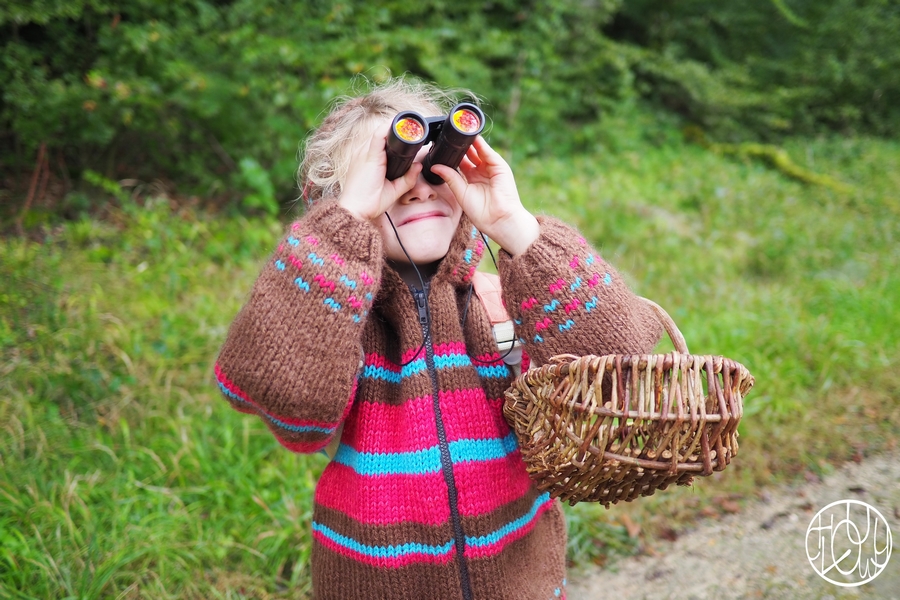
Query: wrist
[(516, 234), (351, 207)]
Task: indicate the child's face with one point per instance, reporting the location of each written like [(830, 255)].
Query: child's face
[(426, 218)]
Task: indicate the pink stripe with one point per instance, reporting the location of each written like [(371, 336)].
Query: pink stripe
[(486, 486), (400, 561), (376, 360), (491, 550), (234, 389), (449, 348), (412, 354), (492, 360), (383, 428), (469, 415), (385, 499)]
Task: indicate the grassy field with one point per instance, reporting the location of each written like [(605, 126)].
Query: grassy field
[(124, 475)]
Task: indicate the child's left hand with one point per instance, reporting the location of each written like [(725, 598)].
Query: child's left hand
[(487, 193)]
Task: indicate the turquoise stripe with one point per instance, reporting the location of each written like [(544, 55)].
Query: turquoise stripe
[(448, 361), (493, 372), (423, 462), (420, 462), (373, 372), (279, 422), (509, 528), (382, 551), (475, 450)]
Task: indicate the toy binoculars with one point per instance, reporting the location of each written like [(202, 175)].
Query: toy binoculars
[(451, 136)]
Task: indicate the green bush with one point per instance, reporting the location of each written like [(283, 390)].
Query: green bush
[(204, 95), (190, 90), (765, 69)]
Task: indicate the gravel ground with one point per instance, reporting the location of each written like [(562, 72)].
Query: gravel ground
[(759, 552)]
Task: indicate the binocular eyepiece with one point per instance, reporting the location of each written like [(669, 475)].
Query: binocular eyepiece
[(451, 136)]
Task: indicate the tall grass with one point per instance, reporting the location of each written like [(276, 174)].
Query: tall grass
[(124, 475)]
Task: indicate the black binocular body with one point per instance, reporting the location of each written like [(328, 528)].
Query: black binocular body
[(451, 136)]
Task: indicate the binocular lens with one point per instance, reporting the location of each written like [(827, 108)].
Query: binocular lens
[(410, 130), (451, 136), (466, 121)]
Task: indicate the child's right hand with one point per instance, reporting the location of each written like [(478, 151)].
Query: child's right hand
[(366, 194)]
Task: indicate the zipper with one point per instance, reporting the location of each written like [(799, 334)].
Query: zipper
[(421, 300)]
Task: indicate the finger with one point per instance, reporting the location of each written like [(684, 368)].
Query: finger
[(466, 163), (377, 143), (486, 153), (453, 179), (392, 191), (423, 152), (408, 180), (469, 169), (472, 155)]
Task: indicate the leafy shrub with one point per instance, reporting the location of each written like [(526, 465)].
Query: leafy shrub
[(202, 92), (750, 68)]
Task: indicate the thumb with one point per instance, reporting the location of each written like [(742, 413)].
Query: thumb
[(408, 180)]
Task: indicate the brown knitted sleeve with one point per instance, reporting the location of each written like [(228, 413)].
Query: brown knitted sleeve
[(293, 353), (564, 298)]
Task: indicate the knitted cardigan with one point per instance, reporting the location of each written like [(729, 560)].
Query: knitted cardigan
[(427, 497)]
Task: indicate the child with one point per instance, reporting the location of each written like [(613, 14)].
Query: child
[(427, 496)]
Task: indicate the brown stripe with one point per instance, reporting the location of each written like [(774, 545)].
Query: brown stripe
[(477, 526), (383, 535), (336, 577)]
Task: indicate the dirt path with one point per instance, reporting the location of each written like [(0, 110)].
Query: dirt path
[(759, 552)]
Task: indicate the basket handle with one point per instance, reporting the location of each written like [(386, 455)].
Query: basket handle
[(670, 326)]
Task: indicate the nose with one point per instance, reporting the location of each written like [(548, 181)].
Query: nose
[(422, 190)]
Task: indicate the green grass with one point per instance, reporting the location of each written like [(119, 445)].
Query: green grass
[(124, 475)]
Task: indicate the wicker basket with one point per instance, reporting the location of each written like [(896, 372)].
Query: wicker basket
[(616, 427)]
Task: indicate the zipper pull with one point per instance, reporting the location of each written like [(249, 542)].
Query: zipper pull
[(421, 305)]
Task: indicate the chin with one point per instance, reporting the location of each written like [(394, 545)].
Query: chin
[(427, 256)]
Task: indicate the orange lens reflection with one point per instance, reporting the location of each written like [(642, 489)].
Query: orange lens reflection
[(466, 121), (410, 130)]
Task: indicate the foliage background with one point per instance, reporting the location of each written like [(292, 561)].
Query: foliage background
[(214, 96)]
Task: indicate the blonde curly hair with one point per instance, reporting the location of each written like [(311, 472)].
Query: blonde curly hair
[(326, 153)]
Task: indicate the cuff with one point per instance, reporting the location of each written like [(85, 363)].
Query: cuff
[(353, 238)]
